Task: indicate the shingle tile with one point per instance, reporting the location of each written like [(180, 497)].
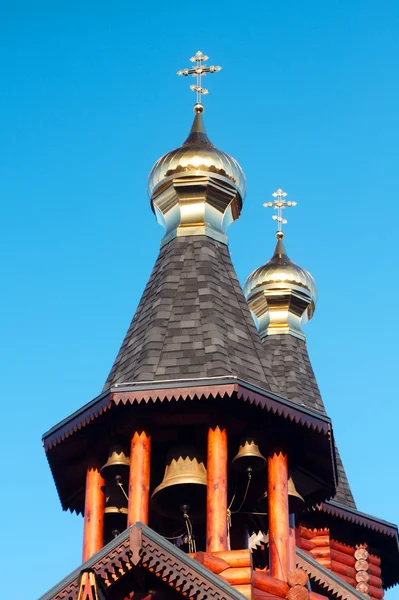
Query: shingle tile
[(293, 371), (193, 297)]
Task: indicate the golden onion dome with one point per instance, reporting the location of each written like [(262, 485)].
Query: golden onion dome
[(196, 188), (281, 295)]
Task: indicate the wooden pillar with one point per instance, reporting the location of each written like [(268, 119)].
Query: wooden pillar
[(277, 494), (292, 543), (216, 501), (139, 478), (93, 529)]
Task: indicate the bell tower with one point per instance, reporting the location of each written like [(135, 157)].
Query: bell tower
[(193, 469)]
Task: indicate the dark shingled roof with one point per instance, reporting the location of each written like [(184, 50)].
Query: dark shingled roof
[(296, 381), (192, 321)]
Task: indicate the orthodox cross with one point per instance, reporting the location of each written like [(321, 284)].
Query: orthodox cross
[(279, 203), (199, 71)]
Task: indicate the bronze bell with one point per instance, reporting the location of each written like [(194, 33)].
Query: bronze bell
[(116, 475), (295, 500), (117, 464), (183, 484), (115, 512), (249, 456)]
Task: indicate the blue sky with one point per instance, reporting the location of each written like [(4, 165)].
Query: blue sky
[(307, 100)]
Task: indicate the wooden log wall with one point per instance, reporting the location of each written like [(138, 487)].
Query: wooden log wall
[(235, 567), (368, 573), (317, 543), (356, 566)]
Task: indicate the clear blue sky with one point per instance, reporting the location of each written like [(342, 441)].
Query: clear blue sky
[(307, 100)]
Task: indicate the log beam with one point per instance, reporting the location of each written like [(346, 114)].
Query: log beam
[(269, 584), (139, 478), (237, 575), (235, 558), (345, 559), (216, 501), (298, 576), (211, 561), (342, 548), (93, 528)]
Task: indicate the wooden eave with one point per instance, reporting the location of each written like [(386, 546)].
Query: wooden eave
[(359, 518), (66, 444), (140, 546), (182, 390), (361, 527)]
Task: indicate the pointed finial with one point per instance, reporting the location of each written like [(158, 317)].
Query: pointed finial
[(199, 71), (279, 204)]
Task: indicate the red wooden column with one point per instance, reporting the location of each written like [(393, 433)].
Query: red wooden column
[(277, 494), (93, 529), (139, 478), (216, 500)]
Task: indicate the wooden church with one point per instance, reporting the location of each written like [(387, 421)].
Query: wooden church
[(207, 467)]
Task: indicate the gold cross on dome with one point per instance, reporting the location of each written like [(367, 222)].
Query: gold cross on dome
[(199, 71), (279, 204)]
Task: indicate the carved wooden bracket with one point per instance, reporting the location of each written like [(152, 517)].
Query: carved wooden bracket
[(88, 589)]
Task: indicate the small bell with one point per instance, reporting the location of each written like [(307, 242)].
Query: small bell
[(115, 521), (295, 500), (183, 484), (249, 457), (117, 464), (116, 475)]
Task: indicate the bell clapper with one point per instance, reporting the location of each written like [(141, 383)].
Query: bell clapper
[(232, 512), (118, 481), (192, 547)]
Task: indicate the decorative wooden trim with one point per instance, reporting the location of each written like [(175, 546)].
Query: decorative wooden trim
[(266, 400), (354, 516), (141, 546)]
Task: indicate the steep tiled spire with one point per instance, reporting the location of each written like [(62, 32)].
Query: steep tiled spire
[(282, 297), (296, 381), (192, 321)]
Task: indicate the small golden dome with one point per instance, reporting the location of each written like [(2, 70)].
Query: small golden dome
[(196, 186), (195, 156), (280, 294), (281, 269)]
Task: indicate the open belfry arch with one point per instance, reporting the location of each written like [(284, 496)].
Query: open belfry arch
[(207, 467)]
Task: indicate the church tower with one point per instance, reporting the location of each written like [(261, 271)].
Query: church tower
[(206, 467)]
